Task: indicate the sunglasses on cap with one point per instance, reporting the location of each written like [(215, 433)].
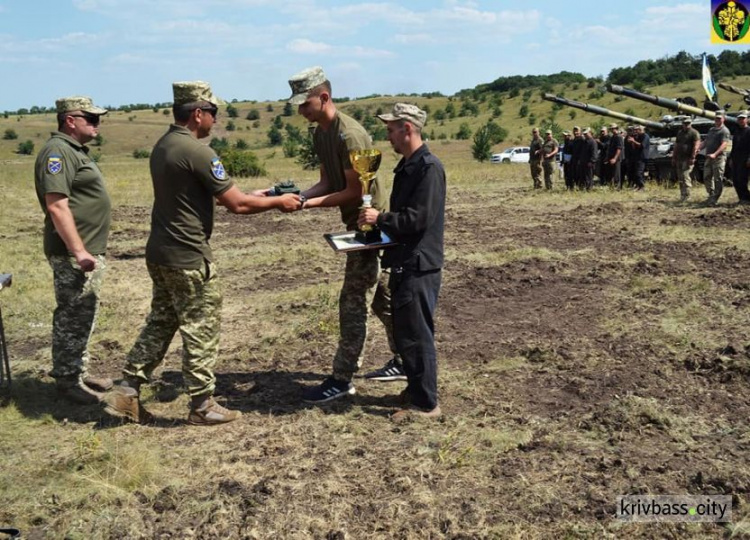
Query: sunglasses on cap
[(92, 119)]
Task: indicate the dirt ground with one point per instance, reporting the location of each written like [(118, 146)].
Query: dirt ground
[(589, 348)]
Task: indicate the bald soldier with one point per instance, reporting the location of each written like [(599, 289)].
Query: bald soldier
[(71, 192), (188, 178)]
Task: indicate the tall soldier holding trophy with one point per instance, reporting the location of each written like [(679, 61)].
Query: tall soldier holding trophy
[(335, 136)]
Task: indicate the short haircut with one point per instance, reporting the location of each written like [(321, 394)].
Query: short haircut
[(323, 87), (61, 120)]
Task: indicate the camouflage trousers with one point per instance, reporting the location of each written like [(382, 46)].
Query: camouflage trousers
[(77, 297), (364, 285), (549, 173), (713, 176), (535, 166), (189, 301), (683, 170)]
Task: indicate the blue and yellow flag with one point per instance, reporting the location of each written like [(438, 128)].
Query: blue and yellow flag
[(730, 22), (708, 81)]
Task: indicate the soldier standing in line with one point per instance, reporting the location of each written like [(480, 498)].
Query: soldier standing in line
[(535, 158), (685, 150), (188, 178), (588, 159), (70, 189), (641, 144), (739, 157), (567, 155), (714, 144), (575, 160), (614, 157), (549, 154), (602, 167), (364, 284)]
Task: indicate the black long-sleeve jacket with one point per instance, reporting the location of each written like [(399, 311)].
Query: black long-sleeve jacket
[(417, 216)]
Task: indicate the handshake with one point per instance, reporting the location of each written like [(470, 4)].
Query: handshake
[(290, 198)]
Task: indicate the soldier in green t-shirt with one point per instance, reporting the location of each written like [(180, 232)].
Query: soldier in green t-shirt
[(188, 178), (76, 206), (364, 283)]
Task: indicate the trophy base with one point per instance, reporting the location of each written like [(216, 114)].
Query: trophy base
[(370, 237)]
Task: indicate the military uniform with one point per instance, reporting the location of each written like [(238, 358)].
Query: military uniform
[(739, 157), (535, 161), (64, 167), (713, 168), (186, 176), (614, 151), (550, 163), (683, 157)]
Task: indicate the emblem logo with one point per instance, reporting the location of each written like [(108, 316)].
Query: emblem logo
[(730, 22), (54, 164), (217, 169)]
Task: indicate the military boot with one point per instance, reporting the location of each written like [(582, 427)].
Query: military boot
[(124, 402), (206, 412), (100, 384), (74, 389)]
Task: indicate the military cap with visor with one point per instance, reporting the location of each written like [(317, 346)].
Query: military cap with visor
[(407, 112), (304, 81), (194, 93), (78, 103), (742, 114)]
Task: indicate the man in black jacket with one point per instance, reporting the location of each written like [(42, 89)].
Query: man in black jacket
[(416, 222)]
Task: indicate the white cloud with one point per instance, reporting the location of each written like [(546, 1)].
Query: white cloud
[(413, 39), (305, 46)]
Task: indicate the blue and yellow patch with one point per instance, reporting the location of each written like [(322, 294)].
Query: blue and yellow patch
[(217, 169), (54, 164)]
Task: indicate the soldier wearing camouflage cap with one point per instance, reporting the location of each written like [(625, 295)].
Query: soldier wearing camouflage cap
[(188, 179), (535, 158), (550, 149), (739, 157), (71, 192), (335, 135), (416, 221), (613, 158)]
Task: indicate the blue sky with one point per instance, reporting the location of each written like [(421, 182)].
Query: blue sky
[(130, 51)]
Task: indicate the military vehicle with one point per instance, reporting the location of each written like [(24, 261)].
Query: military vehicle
[(736, 90), (659, 164)]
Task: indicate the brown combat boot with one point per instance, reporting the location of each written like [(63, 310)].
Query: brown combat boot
[(209, 413), (414, 413), (100, 384), (123, 402), (74, 389)]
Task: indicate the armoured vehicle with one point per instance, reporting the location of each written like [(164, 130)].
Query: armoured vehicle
[(736, 90)]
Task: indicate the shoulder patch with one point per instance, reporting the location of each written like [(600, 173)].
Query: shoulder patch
[(54, 164), (217, 169)]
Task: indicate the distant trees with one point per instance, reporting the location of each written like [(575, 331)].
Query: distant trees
[(485, 138)]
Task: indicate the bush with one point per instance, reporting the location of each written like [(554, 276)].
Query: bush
[(242, 163), (288, 110), (307, 156), (10, 135), (219, 145), (232, 111), (269, 108), (166, 112), (275, 137), (253, 114), (523, 111), (464, 132), (25, 148), (291, 148), (231, 126), (98, 140), (140, 153), (241, 144)]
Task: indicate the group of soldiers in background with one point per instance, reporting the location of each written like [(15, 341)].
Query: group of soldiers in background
[(620, 159)]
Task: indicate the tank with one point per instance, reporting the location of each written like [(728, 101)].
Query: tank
[(659, 164), (736, 90)]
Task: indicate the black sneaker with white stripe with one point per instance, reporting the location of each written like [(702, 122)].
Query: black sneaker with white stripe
[(328, 390), (392, 371)]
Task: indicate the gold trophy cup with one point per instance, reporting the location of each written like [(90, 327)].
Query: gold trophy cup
[(366, 163)]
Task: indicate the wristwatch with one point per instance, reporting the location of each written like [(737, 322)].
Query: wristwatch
[(302, 201)]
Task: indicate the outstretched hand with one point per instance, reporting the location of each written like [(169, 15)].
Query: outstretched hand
[(288, 202)]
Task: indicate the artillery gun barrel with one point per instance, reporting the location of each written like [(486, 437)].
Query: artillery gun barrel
[(734, 89), (656, 126), (665, 102)]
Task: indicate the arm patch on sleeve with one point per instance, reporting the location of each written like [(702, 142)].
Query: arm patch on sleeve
[(217, 169), (54, 164)]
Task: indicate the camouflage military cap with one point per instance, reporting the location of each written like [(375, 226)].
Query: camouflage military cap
[(720, 114), (613, 126), (576, 128), (567, 133), (548, 132), (78, 103), (687, 120), (304, 81), (742, 114), (586, 130), (407, 112), (190, 92)]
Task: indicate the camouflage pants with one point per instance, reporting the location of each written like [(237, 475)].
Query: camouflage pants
[(185, 300), (549, 173), (683, 170), (713, 176), (364, 285), (77, 297), (536, 173)]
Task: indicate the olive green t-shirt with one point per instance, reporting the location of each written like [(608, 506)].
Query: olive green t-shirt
[(63, 166), (333, 146), (187, 175), (685, 143)]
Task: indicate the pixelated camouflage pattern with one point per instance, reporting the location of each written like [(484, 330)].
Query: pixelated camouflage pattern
[(406, 111), (535, 167), (77, 296), (364, 286), (713, 176), (683, 170), (549, 167), (189, 301), (78, 103), (188, 92), (304, 81)]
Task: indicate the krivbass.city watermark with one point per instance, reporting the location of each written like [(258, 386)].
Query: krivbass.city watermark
[(690, 508), (730, 22)]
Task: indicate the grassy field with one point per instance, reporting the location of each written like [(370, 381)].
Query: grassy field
[(590, 344)]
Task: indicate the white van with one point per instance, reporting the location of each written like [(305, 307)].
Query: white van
[(515, 154)]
